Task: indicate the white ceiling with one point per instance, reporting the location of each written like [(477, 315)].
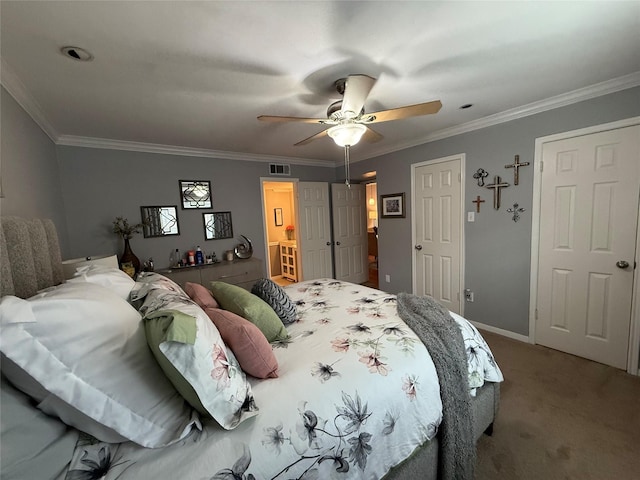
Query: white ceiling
[(197, 74)]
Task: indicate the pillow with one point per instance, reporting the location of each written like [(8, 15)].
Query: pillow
[(190, 350), (247, 305), (112, 278), (277, 298), (246, 341), (148, 281), (79, 350), (200, 295), (32, 442)]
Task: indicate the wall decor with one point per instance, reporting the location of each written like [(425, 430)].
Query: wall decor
[(477, 201), (195, 193), (217, 225), (516, 210), (277, 212), (392, 205), (497, 185), (480, 175), (516, 167), (159, 221)]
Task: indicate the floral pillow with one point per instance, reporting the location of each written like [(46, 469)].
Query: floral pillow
[(191, 352)]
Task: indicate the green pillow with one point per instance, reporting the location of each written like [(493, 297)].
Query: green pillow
[(249, 306)]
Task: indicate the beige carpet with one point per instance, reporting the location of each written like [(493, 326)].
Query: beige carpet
[(561, 417)]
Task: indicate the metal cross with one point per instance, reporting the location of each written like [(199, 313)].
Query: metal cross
[(477, 201), (516, 212), (497, 185), (516, 166), (480, 175)]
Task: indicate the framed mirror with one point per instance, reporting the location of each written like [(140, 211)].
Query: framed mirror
[(195, 193), (217, 225), (159, 221)]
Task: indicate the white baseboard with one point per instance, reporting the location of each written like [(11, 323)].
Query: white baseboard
[(500, 331)]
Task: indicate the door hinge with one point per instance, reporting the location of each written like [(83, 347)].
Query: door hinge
[(541, 165), (459, 177), (536, 314)]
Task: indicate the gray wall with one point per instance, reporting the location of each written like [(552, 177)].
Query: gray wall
[(30, 176), (497, 250), (99, 185)]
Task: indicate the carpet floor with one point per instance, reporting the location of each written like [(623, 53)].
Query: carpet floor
[(561, 417)]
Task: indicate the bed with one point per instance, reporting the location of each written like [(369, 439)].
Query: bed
[(353, 393)]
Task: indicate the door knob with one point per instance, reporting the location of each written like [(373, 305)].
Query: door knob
[(337, 243), (622, 264), (328, 243), (418, 247)]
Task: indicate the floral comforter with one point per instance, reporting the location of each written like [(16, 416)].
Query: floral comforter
[(357, 392)]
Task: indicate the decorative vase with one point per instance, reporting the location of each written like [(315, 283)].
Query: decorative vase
[(129, 257)]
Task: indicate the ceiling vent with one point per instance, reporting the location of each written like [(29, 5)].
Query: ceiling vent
[(279, 169), (77, 53)]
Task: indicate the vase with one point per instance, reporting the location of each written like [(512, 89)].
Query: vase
[(289, 234), (129, 257)]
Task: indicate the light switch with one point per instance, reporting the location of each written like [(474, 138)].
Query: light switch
[(471, 216)]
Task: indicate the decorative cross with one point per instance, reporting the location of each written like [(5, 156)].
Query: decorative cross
[(516, 166), (516, 212), (480, 175), (477, 201), (497, 185)]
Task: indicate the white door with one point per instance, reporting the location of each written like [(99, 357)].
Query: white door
[(588, 220), (350, 238), (437, 228), (314, 239)]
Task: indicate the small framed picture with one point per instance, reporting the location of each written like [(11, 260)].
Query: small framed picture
[(392, 206), (278, 216)]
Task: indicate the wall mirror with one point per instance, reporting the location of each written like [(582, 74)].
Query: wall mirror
[(160, 221), (195, 193), (217, 225)]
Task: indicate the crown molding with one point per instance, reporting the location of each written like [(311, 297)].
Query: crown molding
[(597, 90), (12, 83), (109, 144)]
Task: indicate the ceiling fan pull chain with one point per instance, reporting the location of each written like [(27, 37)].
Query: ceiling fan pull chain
[(346, 166)]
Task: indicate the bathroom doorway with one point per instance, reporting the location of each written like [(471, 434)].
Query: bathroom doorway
[(281, 231), (372, 232)]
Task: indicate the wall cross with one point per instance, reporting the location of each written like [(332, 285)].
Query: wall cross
[(477, 201), (516, 167), (497, 185)]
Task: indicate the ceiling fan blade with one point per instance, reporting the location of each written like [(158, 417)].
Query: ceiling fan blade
[(312, 138), (372, 136), (273, 118), (356, 91), (404, 112)]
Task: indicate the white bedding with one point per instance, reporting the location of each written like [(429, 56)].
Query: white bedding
[(357, 392)]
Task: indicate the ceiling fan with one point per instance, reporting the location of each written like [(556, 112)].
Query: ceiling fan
[(349, 121)]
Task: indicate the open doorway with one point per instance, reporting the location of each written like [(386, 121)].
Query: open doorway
[(280, 231), (372, 233)]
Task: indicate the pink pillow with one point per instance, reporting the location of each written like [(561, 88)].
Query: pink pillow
[(246, 341), (201, 295)]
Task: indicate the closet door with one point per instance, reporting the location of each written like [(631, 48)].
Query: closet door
[(348, 206), (314, 238)]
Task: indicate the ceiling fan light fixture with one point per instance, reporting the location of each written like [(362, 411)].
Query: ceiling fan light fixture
[(347, 133)]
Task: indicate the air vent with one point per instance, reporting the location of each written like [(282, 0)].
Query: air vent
[(279, 169)]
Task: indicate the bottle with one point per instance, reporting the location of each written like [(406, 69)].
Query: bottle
[(174, 258), (192, 257), (199, 256)]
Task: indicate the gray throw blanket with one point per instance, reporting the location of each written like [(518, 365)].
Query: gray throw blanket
[(442, 337)]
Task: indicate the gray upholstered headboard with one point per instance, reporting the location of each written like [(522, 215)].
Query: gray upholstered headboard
[(29, 255)]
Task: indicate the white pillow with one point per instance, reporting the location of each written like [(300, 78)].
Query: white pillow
[(80, 350), (112, 278)]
